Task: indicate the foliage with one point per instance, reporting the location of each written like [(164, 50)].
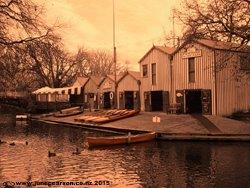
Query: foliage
[(225, 20)]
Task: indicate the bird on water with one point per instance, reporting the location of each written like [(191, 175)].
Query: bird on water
[(77, 152), (51, 154), (12, 144), (2, 142)]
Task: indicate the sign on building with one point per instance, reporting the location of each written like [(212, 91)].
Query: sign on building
[(192, 52)]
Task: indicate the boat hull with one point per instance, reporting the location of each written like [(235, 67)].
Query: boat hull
[(106, 118), (58, 114), (117, 140)]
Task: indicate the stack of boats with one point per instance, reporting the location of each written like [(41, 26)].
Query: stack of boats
[(106, 116), (69, 112)]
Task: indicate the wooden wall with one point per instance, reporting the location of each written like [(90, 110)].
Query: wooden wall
[(107, 85), (232, 95), (163, 78), (128, 83), (204, 72), (228, 95), (90, 87)]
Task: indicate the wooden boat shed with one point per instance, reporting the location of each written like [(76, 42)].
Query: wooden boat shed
[(155, 78), (76, 95), (128, 89), (107, 92), (204, 77), (91, 92), (198, 77)]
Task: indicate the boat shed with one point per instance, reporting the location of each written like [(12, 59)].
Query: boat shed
[(205, 77), (76, 96), (156, 78), (128, 90), (91, 92), (107, 92)]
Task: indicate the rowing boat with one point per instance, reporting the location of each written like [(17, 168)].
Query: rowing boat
[(105, 117), (116, 140), (115, 117), (69, 112)]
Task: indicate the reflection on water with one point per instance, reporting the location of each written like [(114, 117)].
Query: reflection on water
[(153, 164)]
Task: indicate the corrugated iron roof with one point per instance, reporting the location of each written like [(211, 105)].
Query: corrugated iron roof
[(136, 75), (164, 49), (81, 81), (220, 45), (112, 77), (97, 79)]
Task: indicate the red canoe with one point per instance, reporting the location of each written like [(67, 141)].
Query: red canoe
[(115, 140)]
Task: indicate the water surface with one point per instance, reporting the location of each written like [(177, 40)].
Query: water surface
[(152, 164)]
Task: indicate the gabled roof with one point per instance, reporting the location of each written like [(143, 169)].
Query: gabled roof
[(136, 75), (97, 79), (81, 81), (112, 77), (218, 45), (164, 49)]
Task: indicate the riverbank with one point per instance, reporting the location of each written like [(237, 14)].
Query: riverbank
[(170, 127)]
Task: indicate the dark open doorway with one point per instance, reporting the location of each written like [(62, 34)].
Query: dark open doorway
[(106, 100), (129, 99), (156, 100), (193, 101)]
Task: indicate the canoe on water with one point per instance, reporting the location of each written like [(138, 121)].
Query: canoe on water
[(116, 140)]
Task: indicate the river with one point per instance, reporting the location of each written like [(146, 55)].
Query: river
[(152, 164)]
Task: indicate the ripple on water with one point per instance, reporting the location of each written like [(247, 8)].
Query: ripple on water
[(153, 164)]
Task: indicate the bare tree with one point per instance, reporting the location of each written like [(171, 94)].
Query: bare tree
[(14, 75), (52, 65), (226, 20), (20, 22), (101, 62), (221, 20)]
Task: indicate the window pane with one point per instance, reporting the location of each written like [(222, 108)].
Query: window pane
[(144, 70), (191, 77), (153, 69), (191, 69), (154, 79), (191, 64)]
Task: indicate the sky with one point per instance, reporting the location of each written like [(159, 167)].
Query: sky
[(89, 23)]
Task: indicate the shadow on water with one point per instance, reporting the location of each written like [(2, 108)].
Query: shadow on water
[(151, 164)]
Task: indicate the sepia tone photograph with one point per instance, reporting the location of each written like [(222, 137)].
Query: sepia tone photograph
[(124, 93)]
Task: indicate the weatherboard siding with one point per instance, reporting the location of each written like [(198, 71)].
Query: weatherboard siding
[(128, 83), (204, 72), (232, 96), (163, 79), (107, 85), (90, 87)]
